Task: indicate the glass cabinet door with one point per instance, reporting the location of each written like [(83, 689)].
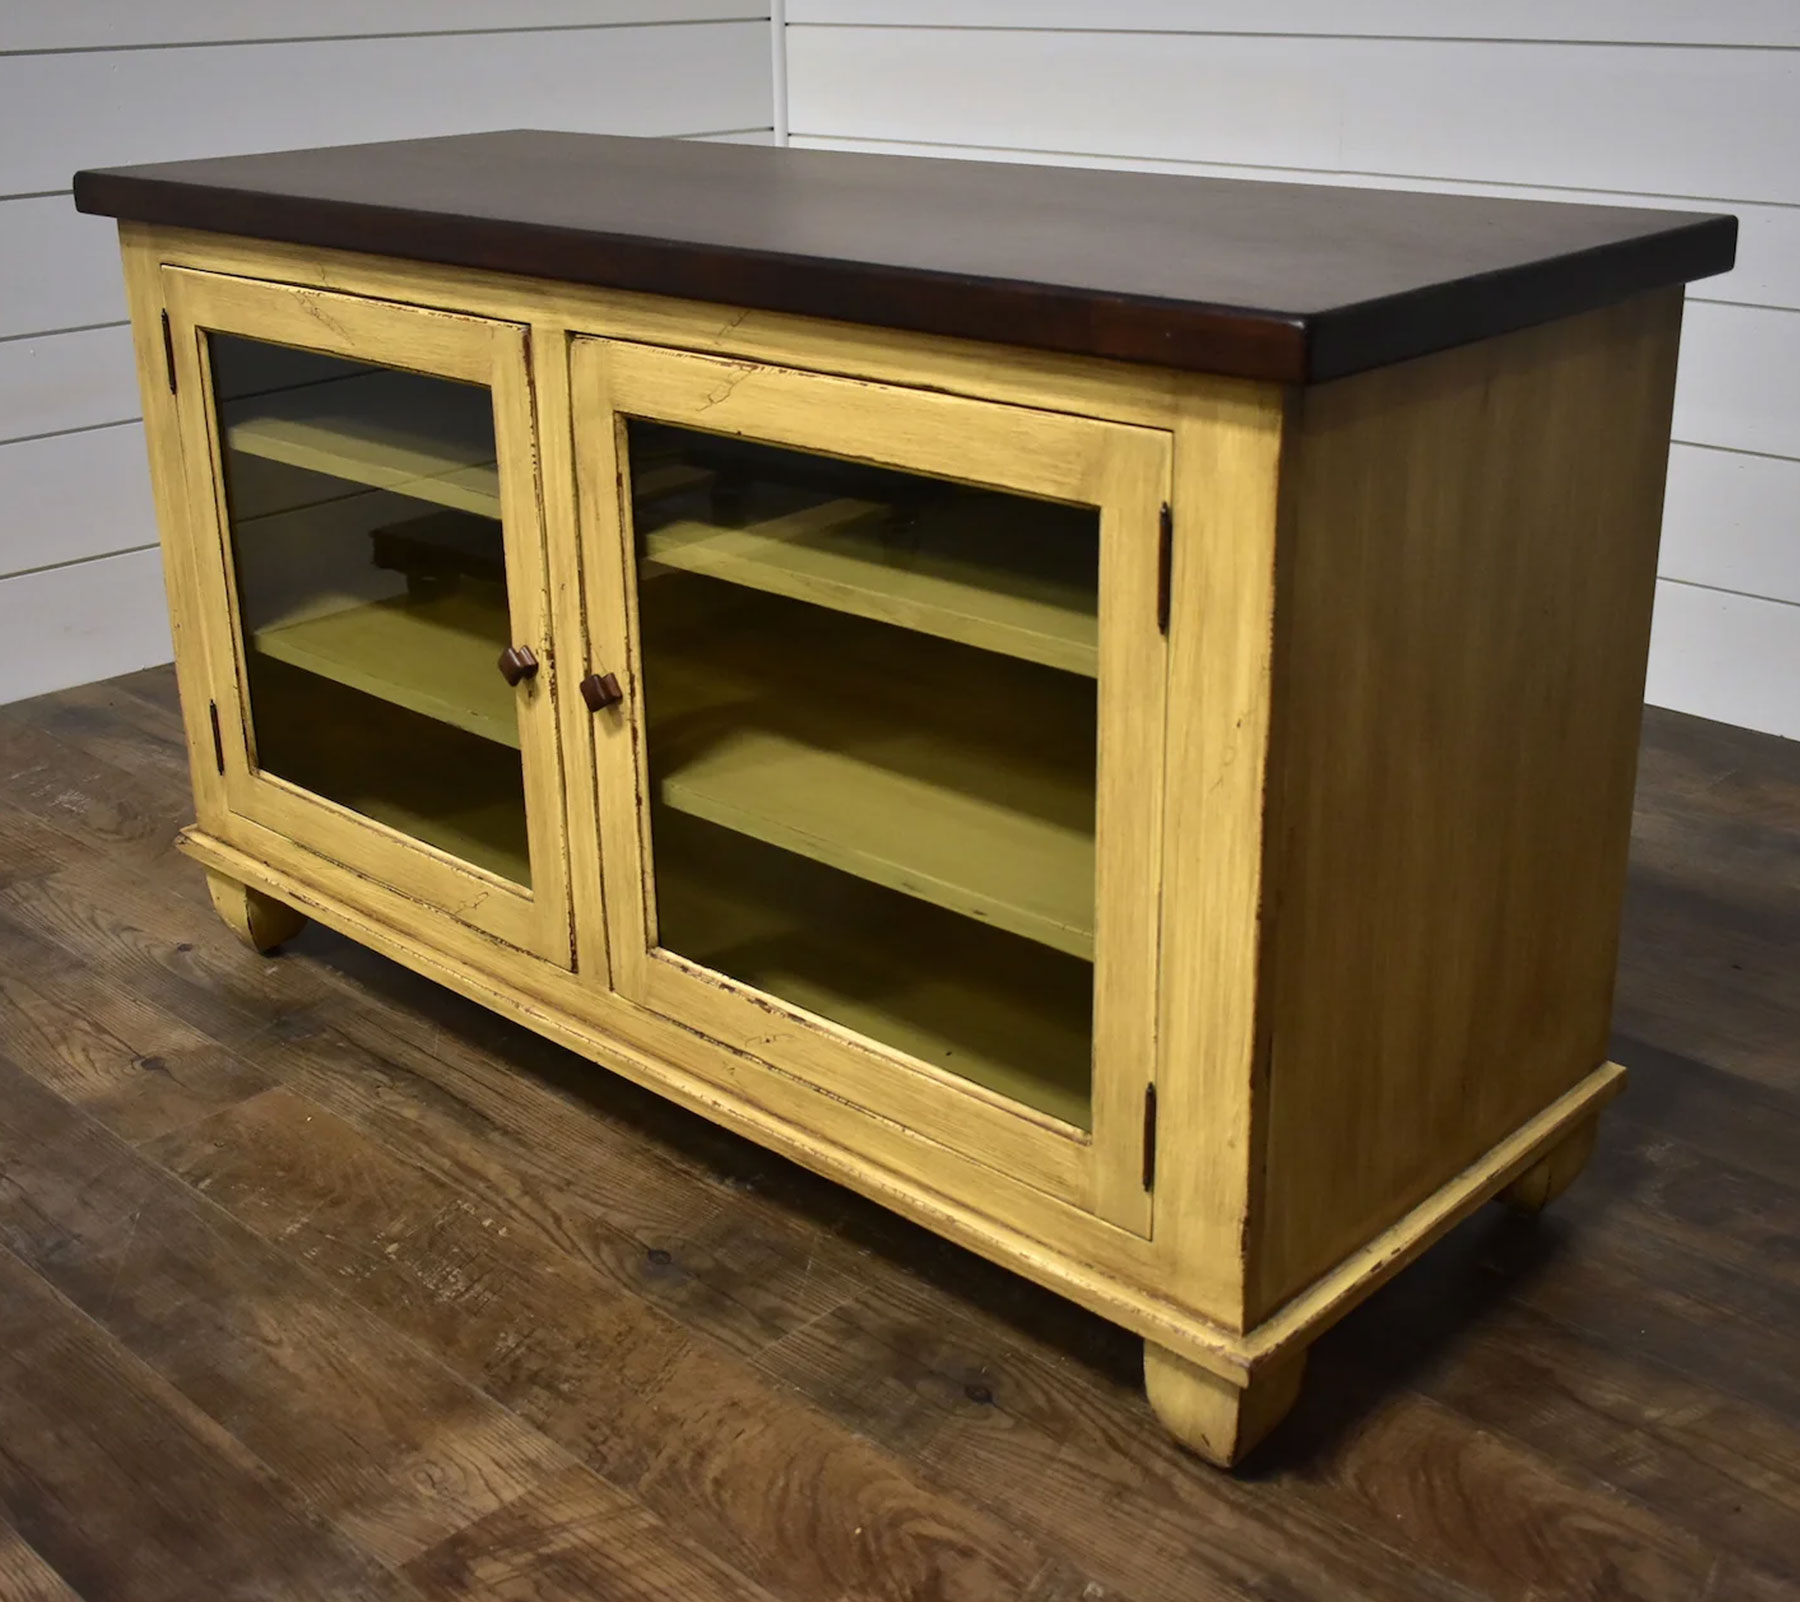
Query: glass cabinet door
[(380, 571), (878, 644)]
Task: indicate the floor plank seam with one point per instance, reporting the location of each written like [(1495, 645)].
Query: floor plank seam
[(322, 1286), (1556, 1441)]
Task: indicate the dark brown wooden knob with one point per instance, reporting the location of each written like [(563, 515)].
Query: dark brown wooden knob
[(601, 690), (516, 663)]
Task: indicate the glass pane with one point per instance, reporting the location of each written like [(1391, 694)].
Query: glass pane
[(870, 699), (364, 508)]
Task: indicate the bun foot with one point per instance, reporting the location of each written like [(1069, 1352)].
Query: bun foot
[(260, 921), (1554, 1172), (1215, 1417)]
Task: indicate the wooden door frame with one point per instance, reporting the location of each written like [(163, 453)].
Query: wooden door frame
[(476, 350), (1123, 469)]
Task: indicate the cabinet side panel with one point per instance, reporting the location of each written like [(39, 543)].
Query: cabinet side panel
[(1463, 616)]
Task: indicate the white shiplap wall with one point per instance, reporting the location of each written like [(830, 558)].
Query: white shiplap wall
[(112, 82), (1634, 102)]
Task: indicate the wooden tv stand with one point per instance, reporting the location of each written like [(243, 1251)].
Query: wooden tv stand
[(1096, 709)]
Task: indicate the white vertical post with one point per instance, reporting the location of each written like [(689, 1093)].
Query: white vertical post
[(778, 67)]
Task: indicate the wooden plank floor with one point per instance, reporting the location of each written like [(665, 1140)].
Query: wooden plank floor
[(317, 1281)]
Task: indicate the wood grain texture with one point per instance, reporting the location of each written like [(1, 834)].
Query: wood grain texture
[(84, 796), (1604, 1410), (127, 1490), (1105, 1270), (132, 1066), (26, 1577), (821, 1131), (574, 1539), (1600, 1405), (396, 1454), (694, 1433), (1450, 774), (1722, 997), (1264, 281)]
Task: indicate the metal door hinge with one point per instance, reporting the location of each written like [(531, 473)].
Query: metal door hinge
[(169, 350), (1149, 1137), (1165, 561), (212, 711)]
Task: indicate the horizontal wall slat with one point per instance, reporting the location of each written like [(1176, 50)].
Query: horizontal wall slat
[(58, 269), (1768, 264), (85, 376), (1739, 383), (1664, 120), (70, 625), (77, 602), (1731, 657), (63, 112), (1719, 22), (91, 24), (1733, 522), (74, 496), (1310, 93), (66, 381)]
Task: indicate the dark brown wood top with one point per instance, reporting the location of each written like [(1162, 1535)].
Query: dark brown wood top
[(1291, 282)]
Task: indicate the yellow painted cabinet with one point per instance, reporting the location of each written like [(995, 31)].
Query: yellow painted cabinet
[(876, 676), (880, 791), (367, 540), (1135, 782)]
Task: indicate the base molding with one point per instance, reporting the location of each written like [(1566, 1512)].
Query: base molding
[(1238, 1359), (1559, 1126)]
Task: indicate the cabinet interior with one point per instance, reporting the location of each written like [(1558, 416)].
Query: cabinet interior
[(870, 702), (870, 726)]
